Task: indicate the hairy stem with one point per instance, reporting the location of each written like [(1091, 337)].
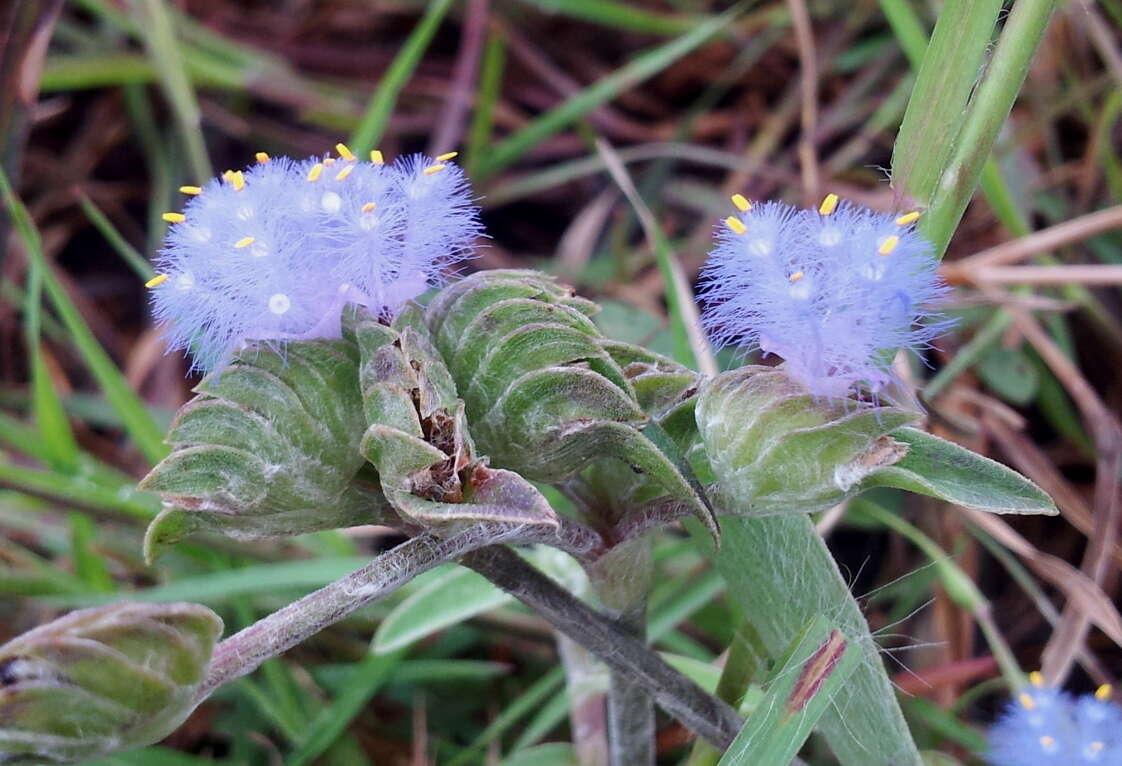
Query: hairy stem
[(702, 713), (243, 652)]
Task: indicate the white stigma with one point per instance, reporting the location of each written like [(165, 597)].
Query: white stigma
[(200, 233), (259, 250), (759, 246), (245, 212), (368, 221), (829, 237), (331, 202), (800, 290), (185, 281), (279, 303)]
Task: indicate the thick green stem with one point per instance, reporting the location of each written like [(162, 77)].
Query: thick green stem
[(1020, 38)]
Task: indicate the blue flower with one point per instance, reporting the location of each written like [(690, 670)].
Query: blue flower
[(276, 251), (1047, 727), (834, 291)]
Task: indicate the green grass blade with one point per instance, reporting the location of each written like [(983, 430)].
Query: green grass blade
[(908, 28), (163, 50), (1024, 29), (81, 490), (487, 95), (619, 16), (138, 421), (128, 253), (946, 78), (645, 65), (814, 671), (372, 126), (88, 563)]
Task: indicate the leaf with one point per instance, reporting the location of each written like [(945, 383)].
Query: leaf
[(549, 754), (944, 470), (803, 686), (269, 447), (782, 575), (455, 596), (101, 680), (1010, 373)]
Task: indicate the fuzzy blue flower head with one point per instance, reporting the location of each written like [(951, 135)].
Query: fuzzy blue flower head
[(1047, 727), (833, 291), (274, 252)]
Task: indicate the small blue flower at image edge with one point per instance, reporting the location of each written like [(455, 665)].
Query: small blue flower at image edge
[(274, 252), (1044, 726), (833, 291)]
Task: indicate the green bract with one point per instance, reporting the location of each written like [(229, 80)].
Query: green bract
[(544, 395), (418, 438), (269, 447), (102, 680), (778, 449)]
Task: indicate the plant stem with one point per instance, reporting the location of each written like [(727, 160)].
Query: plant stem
[(1020, 38), (587, 680), (702, 713), (243, 652)]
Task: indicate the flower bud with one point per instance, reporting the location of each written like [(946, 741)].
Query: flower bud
[(418, 437), (544, 395), (102, 680), (269, 447), (776, 448)]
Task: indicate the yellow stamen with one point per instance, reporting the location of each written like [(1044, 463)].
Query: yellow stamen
[(245, 242), (1026, 700), (342, 174), (907, 218), (447, 156), (174, 217), (741, 202), (328, 161), (1047, 742), (433, 169), (889, 245), (191, 189), (315, 172), (796, 276), (1103, 692), (157, 280), (228, 176), (376, 157), (262, 158), (368, 207), (828, 204), (1036, 678), (736, 224), (345, 153), (239, 180)]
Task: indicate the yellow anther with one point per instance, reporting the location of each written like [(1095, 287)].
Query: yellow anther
[(796, 276), (368, 207), (174, 217), (888, 245), (228, 176), (907, 218), (191, 189), (345, 153), (262, 158), (315, 172), (244, 242), (1103, 692), (434, 169), (447, 156), (828, 204), (157, 280), (1036, 678), (735, 224), (1026, 700), (328, 161), (741, 202), (1047, 742), (346, 171), (376, 157), (238, 180)]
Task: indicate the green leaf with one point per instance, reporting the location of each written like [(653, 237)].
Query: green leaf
[(943, 469), (455, 596), (1010, 373), (269, 447), (549, 754), (100, 680), (803, 686), (782, 575)]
